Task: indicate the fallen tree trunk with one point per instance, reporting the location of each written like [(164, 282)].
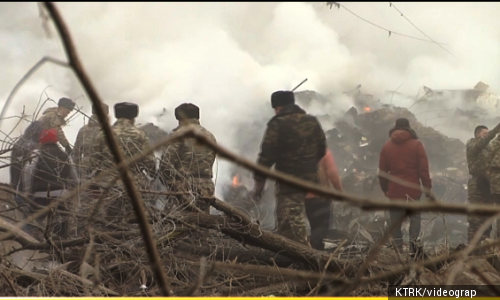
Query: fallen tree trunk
[(255, 236), (233, 253)]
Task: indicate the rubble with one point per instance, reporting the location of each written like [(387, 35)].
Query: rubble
[(118, 265), (154, 133)]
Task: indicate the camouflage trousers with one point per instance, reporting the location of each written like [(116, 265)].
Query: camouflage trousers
[(478, 195), (291, 216)]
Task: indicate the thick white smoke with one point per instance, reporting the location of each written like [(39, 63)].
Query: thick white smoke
[(229, 57)]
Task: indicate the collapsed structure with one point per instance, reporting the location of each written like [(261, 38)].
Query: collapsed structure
[(117, 264)]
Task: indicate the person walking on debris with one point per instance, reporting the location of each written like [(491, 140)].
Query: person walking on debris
[(132, 141), (318, 210), (405, 158), (485, 187), (54, 117), (294, 141), (84, 141), (21, 152), (49, 176), (186, 166)]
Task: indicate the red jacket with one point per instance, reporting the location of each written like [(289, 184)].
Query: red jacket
[(328, 173), (404, 157)]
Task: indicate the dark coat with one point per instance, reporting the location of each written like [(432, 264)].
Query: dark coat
[(53, 170)]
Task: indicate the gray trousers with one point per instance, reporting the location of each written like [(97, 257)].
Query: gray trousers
[(397, 234)]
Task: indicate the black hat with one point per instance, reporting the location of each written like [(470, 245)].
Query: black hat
[(104, 106), (126, 110), (66, 103), (402, 123), (282, 98), (187, 111)]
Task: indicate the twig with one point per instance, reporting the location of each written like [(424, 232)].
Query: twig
[(405, 183), (10, 284), (74, 62), (485, 280), (477, 237), (25, 78), (268, 270), (318, 285), (429, 262), (376, 248)]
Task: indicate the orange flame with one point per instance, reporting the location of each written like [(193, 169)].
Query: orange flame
[(367, 109), (236, 181)]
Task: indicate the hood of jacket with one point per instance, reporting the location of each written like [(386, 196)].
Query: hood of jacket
[(400, 136)]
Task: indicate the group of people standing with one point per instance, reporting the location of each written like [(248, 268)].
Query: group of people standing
[(294, 143), (44, 171)]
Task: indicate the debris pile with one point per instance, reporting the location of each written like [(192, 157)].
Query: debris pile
[(154, 133)]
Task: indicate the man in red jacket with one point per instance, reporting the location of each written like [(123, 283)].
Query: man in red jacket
[(404, 157)]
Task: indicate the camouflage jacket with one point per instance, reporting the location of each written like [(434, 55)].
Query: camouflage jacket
[(85, 138), (477, 153), (131, 141), (493, 158), (186, 158), (295, 142), (52, 119)]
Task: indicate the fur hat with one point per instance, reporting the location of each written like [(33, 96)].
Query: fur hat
[(66, 103), (187, 111), (126, 110), (402, 123), (48, 136), (105, 107), (282, 98)]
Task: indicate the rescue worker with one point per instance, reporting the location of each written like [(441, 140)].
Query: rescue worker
[(84, 141), (54, 117), (483, 157), (403, 156), (295, 143), (186, 165), (131, 141), (318, 210), (49, 176)]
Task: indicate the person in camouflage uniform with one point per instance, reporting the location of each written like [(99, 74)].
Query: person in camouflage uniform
[(186, 165), (54, 117), (478, 150), (131, 141), (295, 143), (84, 141)]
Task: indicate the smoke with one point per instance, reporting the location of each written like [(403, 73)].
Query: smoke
[(229, 57)]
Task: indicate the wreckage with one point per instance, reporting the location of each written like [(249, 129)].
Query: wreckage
[(356, 139), (119, 264)]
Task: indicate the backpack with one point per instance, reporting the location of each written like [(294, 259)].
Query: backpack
[(33, 131)]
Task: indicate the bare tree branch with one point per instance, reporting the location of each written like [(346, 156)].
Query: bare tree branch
[(74, 62)]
